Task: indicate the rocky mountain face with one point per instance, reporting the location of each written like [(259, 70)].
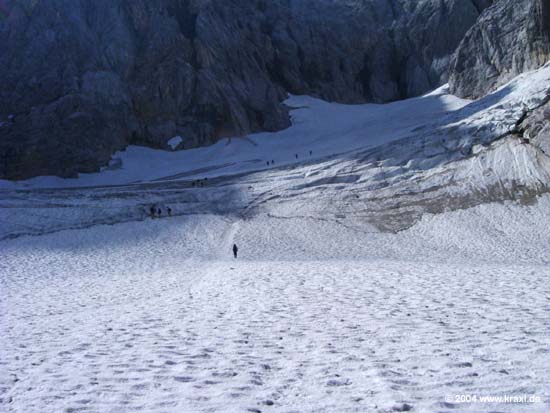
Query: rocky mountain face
[(81, 79), (536, 127), (511, 37)]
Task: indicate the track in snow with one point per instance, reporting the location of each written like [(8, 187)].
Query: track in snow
[(165, 324)]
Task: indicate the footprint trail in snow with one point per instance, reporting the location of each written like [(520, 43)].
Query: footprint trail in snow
[(170, 322)]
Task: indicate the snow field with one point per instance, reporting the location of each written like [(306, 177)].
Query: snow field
[(155, 316)]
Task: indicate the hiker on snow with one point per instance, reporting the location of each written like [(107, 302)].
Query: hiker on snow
[(152, 210), (235, 250)]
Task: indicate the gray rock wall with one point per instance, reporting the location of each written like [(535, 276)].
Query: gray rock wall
[(511, 37), (536, 127), (80, 79)]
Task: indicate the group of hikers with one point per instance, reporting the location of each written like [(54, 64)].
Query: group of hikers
[(296, 156), (199, 182), (156, 212)]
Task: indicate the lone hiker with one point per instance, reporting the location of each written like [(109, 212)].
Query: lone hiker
[(169, 211), (152, 211), (235, 250)]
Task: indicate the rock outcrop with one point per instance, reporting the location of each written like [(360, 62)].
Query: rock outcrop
[(536, 127), (510, 37), (81, 79)]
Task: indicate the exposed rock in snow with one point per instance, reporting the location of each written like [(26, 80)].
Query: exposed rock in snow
[(536, 127)]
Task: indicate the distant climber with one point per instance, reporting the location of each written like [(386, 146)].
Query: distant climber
[(235, 250), (267, 163), (159, 212), (169, 210), (296, 156), (272, 162), (310, 153), (152, 211)]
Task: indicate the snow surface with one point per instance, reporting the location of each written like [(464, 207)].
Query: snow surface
[(174, 142), (322, 311), (156, 316)]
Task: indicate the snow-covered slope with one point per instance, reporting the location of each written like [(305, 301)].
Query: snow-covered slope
[(314, 316), (401, 266)]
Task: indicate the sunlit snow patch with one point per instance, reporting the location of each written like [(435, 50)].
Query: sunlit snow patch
[(175, 142)]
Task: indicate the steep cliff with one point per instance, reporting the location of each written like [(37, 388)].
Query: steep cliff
[(510, 37), (80, 79)]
